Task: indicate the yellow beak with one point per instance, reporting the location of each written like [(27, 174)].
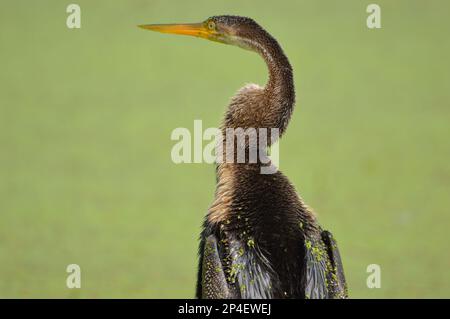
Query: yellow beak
[(192, 29)]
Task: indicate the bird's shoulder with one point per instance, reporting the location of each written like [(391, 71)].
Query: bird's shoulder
[(248, 91), (250, 87)]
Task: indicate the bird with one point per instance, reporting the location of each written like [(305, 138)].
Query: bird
[(259, 239)]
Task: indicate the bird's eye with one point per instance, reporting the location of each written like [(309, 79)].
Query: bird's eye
[(211, 25)]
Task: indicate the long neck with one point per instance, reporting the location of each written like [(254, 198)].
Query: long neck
[(273, 107), (254, 108), (279, 90)]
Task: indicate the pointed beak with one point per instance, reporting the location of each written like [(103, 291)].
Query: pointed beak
[(192, 29)]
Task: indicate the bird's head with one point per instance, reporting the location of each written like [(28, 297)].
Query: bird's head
[(234, 30)]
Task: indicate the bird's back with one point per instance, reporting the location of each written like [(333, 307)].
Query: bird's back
[(269, 243)]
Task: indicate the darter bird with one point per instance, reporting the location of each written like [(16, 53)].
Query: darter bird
[(259, 239)]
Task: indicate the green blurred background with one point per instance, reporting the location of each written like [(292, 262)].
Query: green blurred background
[(86, 116)]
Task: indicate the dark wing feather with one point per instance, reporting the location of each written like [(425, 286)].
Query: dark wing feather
[(316, 269), (213, 282), (252, 271), (338, 285)]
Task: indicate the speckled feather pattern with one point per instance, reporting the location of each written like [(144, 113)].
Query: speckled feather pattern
[(259, 238)]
